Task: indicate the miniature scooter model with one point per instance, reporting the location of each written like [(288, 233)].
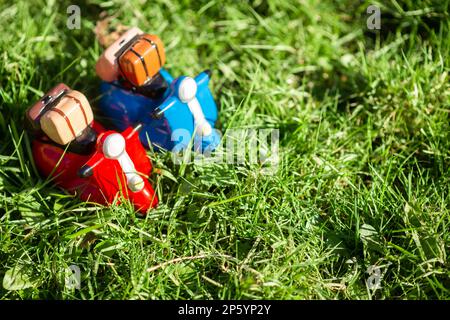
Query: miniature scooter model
[(82, 157), (170, 115)]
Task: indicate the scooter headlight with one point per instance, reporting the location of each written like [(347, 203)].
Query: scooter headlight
[(113, 146), (187, 89)]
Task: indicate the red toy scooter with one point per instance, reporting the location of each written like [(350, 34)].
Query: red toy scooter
[(82, 157)]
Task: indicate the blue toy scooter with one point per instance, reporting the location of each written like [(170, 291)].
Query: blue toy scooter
[(185, 111)]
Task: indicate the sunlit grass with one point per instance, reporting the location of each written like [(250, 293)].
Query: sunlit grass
[(363, 178)]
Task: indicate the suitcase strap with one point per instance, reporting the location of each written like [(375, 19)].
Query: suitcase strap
[(142, 60), (62, 114), (81, 107), (156, 47)]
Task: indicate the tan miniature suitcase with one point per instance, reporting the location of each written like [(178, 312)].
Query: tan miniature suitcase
[(68, 118), (34, 113), (142, 60)]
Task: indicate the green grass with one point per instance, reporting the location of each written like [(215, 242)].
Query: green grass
[(363, 179)]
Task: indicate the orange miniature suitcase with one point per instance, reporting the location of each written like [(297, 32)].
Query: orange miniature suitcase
[(140, 62)]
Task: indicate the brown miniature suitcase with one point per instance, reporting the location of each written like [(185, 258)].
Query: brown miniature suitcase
[(142, 60)]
